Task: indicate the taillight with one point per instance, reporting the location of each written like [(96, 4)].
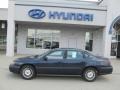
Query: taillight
[(105, 62), (108, 62)]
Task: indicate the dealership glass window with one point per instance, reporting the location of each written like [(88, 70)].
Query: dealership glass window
[(2, 40), (43, 39), (3, 25), (114, 44), (89, 41)]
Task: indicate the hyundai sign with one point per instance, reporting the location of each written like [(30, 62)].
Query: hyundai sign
[(37, 13), (57, 15)]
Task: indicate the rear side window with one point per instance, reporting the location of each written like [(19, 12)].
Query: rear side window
[(71, 54), (74, 55)]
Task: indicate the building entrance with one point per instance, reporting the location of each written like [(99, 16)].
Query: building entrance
[(115, 31)]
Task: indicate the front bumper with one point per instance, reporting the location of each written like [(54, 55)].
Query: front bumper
[(14, 68), (105, 70)]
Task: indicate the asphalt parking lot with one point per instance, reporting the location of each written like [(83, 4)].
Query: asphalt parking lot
[(9, 81)]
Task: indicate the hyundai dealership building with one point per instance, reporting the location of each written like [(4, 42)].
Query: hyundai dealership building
[(35, 26)]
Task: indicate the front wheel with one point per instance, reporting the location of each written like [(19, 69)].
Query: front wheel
[(90, 74), (27, 72)]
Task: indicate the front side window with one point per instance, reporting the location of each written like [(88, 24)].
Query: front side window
[(43, 39), (74, 55), (56, 55)]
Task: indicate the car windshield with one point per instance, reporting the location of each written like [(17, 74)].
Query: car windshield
[(39, 56), (88, 54)]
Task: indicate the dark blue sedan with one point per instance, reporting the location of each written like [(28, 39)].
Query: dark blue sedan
[(64, 61)]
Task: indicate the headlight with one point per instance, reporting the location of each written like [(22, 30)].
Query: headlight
[(17, 63)]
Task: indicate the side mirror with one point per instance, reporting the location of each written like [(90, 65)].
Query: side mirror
[(85, 55), (45, 58)]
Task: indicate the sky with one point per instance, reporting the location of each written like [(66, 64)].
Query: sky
[(4, 3)]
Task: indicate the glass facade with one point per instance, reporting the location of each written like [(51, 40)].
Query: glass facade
[(43, 39), (2, 40), (89, 41), (114, 44), (3, 34)]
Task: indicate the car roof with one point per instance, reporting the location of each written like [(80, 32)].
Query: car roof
[(72, 49), (68, 49)]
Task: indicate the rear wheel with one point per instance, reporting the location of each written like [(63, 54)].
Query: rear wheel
[(27, 72), (90, 74)]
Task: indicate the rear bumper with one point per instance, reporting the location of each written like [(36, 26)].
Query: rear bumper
[(105, 70), (14, 68)]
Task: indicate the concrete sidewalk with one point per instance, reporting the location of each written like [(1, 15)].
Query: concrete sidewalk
[(9, 81)]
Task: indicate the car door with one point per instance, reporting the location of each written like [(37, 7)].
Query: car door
[(73, 63), (51, 63)]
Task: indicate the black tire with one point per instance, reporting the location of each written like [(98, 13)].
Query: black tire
[(90, 74), (27, 72)]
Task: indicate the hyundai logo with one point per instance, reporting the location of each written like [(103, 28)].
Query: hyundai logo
[(37, 13)]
